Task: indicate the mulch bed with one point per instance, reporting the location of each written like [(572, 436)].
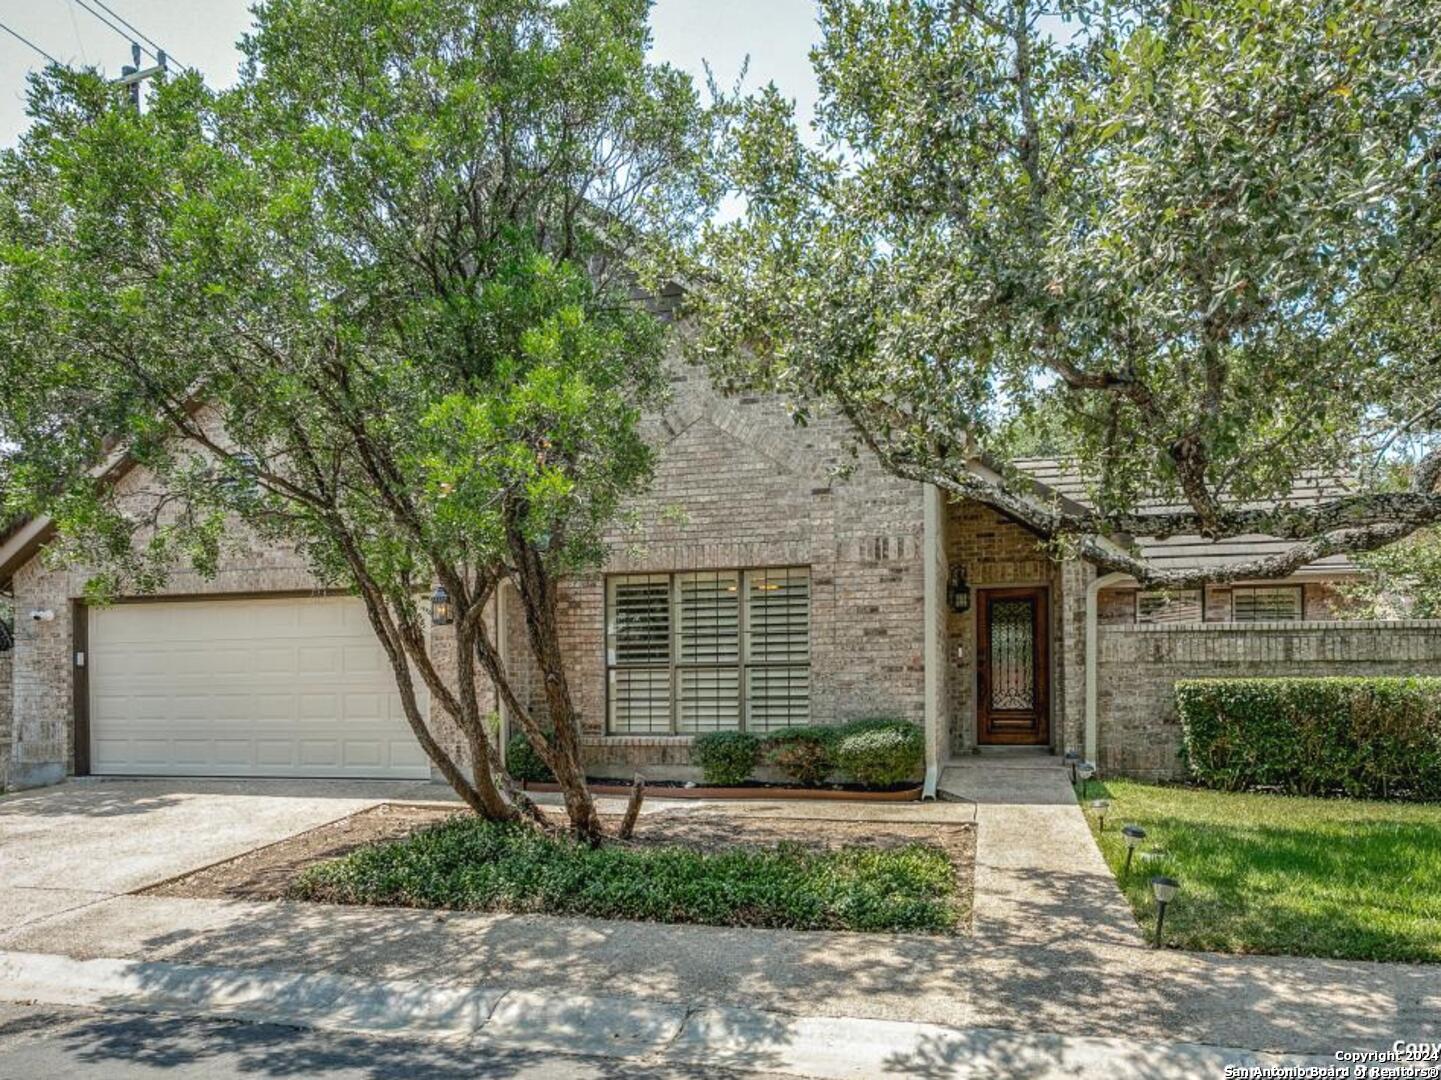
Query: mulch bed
[(267, 872)]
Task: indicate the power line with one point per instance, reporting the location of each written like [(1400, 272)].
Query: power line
[(133, 29), (127, 37), (26, 41)]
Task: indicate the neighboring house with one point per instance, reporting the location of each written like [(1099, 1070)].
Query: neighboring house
[(758, 590)]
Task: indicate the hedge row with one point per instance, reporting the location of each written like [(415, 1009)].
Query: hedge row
[(877, 753), (1364, 737)]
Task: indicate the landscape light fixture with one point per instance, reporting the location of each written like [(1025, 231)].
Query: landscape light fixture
[(1100, 806), (1133, 835), (1071, 758), (1085, 770), (442, 612), (1165, 890)]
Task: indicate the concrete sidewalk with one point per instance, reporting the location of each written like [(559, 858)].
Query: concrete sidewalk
[(1054, 952), (646, 1033)]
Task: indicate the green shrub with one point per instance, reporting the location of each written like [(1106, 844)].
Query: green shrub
[(523, 763), (727, 757), (881, 753), (470, 864), (1375, 737), (805, 754)]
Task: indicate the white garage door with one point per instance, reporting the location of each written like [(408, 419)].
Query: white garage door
[(292, 687)]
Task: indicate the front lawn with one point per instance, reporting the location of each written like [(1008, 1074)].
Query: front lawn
[(1278, 874), (468, 864)]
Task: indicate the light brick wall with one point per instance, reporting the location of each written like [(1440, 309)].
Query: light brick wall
[(738, 485), (1138, 732)]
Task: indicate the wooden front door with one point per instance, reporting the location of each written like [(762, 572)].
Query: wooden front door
[(1013, 705)]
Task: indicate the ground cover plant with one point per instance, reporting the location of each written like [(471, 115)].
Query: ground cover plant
[(1278, 874), (471, 864)]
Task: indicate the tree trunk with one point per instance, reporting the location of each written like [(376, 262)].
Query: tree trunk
[(632, 808), (562, 754)]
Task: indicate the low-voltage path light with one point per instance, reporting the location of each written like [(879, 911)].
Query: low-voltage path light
[(1133, 835), (1165, 889)]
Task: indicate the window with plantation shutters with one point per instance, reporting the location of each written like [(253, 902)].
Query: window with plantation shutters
[(713, 650), (1175, 606), (638, 651), (1266, 603), (778, 648)]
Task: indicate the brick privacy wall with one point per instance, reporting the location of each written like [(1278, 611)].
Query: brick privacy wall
[(1138, 731), (995, 551), (738, 485)]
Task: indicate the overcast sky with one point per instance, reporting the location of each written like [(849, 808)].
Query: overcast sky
[(776, 34)]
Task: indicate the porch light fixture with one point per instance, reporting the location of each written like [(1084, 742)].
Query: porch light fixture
[(958, 593), (1133, 835), (1165, 889), (442, 613)]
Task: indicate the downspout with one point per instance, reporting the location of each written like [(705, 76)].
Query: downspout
[(1092, 661), (933, 556)]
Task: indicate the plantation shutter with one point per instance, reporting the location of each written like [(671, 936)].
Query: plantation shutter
[(1176, 606), (1276, 603), (778, 648), (708, 652), (638, 640)]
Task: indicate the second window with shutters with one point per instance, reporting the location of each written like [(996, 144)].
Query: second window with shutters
[(712, 650)]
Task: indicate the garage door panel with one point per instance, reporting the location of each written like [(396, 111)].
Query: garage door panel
[(294, 687)]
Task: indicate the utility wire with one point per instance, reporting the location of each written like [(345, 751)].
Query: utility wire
[(26, 41), (123, 21), (127, 37)]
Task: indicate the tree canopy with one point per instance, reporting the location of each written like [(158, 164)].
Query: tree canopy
[(1194, 245), (372, 302)]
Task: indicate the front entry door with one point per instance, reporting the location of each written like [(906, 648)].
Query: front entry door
[(1012, 667)]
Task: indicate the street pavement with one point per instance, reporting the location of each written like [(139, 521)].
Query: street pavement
[(45, 1042)]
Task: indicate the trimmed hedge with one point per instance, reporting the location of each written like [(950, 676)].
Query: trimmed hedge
[(523, 763), (881, 754), (876, 752), (727, 757), (1364, 737), (805, 754)]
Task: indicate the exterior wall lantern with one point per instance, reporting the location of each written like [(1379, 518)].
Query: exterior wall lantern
[(958, 593), (442, 612)]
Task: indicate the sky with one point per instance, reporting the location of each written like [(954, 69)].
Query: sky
[(775, 34)]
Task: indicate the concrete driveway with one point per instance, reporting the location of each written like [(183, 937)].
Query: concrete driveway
[(85, 841)]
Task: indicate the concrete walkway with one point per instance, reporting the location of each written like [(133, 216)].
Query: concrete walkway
[(1054, 953)]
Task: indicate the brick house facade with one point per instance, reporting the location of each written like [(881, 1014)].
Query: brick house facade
[(753, 585)]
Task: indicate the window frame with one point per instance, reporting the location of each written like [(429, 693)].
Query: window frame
[(1141, 594), (741, 665), (1296, 588)]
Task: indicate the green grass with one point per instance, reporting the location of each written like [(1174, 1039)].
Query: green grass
[(473, 865), (1282, 875)]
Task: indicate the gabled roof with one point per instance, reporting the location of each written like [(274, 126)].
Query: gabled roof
[(1195, 552)]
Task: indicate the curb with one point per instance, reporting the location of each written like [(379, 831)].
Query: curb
[(829, 1048)]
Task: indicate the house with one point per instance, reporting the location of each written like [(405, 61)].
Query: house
[(758, 590)]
